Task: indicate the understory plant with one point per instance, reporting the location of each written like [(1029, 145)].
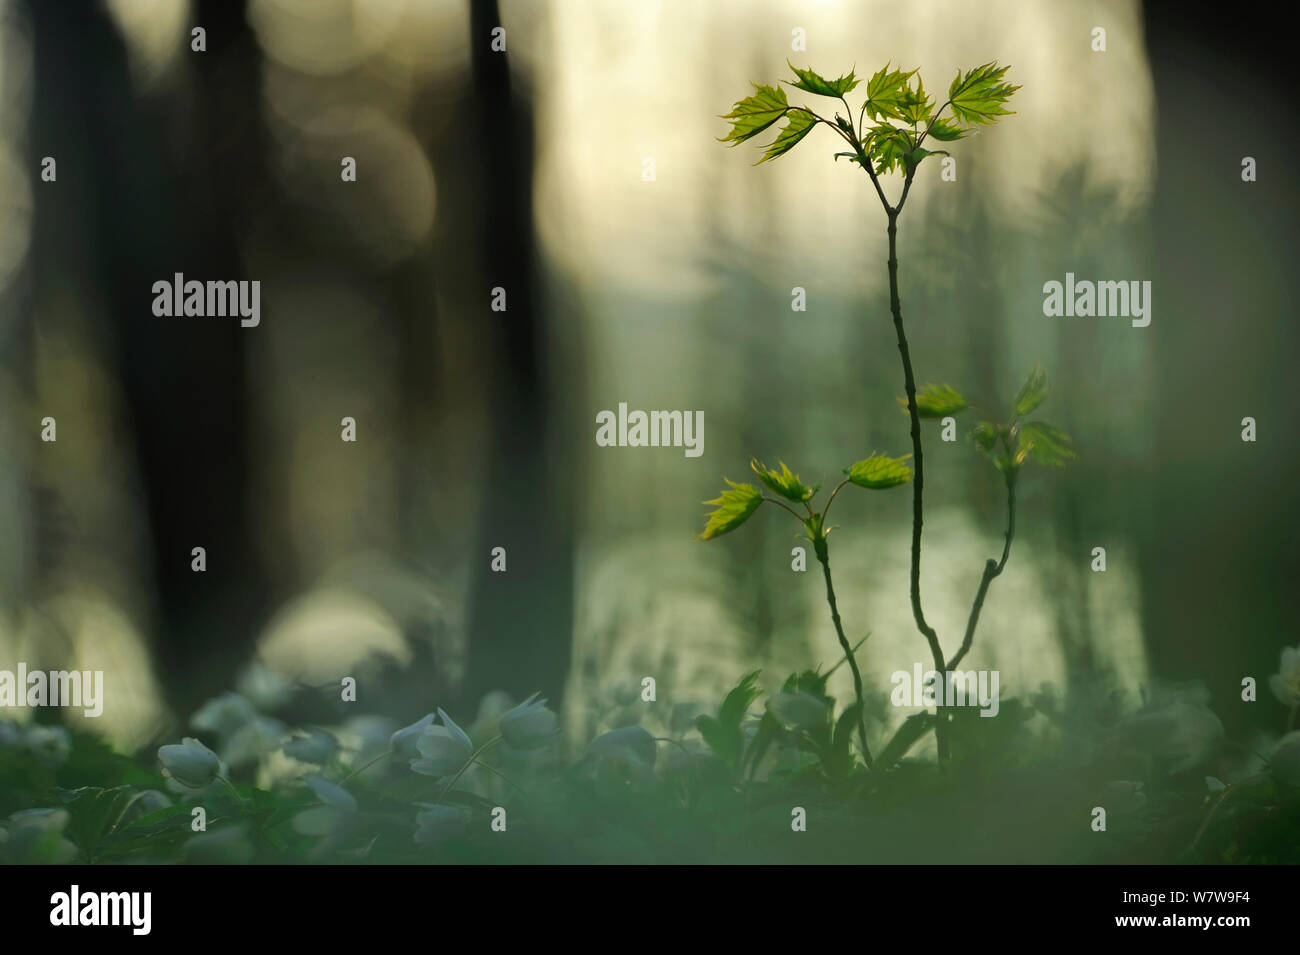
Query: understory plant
[(696, 783), (897, 124)]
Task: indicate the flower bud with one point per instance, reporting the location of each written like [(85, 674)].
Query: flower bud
[(316, 747), (1285, 683), (189, 763), (445, 748), (631, 744), (403, 741), (530, 725)]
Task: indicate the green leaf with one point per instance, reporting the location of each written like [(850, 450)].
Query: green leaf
[(888, 146), (977, 97), (839, 760), (920, 153), (733, 508), (723, 734), (810, 82), (737, 701), (769, 731), (813, 525), (916, 106), (887, 92), (808, 681), (1032, 392), (93, 811), (1046, 444), (753, 114), (799, 122), (880, 471), (722, 744), (985, 436), (784, 482), (913, 728), (936, 401), (945, 131)]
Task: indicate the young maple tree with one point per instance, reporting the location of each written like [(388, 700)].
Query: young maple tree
[(896, 123)]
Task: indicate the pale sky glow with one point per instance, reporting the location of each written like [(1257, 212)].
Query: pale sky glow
[(622, 82)]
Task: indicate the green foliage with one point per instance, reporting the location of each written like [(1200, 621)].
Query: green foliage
[(888, 146), (735, 506), (1010, 444), (799, 123), (936, 401), (1046, 444), (783, 482), (904, 738), (717, 790), (880, 471), (723, 733), (753, 114), (732, 508), (916, 106), (978, 96), (887, 93), (810, 82), (945, 131), (1032, 392)]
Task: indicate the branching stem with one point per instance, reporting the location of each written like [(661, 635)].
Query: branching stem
[(823, 555), (918, 458), (991, 570)]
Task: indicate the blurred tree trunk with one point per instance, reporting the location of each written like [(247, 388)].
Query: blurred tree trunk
[(520, 621), (1220, 556), (141, 218)]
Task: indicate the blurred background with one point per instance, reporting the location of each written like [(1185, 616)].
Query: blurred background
[(525, 169)]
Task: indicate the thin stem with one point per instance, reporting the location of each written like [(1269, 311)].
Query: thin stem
[(848, 116), (827, 509), (843, 660), (918, 478), (369, 763), (823, 555), (991, 570), (865, 162), (933, 119), (863, 159), (468, 763), (233, 790), (772, 500), (1205, 824), (907, 187), (851, 139), (500, 775)]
